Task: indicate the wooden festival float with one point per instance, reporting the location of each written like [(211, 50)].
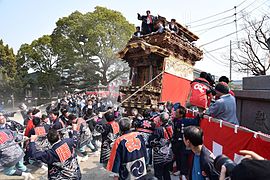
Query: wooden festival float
[(169, 54)]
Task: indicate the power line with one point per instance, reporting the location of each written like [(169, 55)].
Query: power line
[(218, 25), (230, 34), (248, 13), (235, 20), (213, 27), (211, 16), (247, 6), (213, 58), (214, 15), (212, 21), (263, 11), (219, 38), (217, 62), (222, 23), (251, 10), (258, 6), (241, 3), (212, 50)]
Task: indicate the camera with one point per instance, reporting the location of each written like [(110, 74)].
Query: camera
[(227, 162), (211, 91)]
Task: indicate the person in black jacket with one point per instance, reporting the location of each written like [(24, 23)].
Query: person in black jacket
[(128, 155), (61, 158), (160, 141), (146, 128), (138, 32), (57, 123), (11, 156), (203, 160), (110, 132), (42, 142), (40, 130), (147, 22), (178, 146), (64, 116), (91, 121), (89, 105), (173, 27)]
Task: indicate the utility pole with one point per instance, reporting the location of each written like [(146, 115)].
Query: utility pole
[(230, 60)]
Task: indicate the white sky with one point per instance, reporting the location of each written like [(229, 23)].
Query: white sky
[(22, 21)]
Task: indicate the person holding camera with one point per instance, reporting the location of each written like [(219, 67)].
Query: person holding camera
[(200, 94), (225, 106), (202, 163), (253, 166)]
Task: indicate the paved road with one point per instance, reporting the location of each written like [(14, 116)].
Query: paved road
[(91, 170)]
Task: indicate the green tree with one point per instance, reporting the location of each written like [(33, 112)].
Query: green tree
[(112, 31), (70, 42), (22, 70), (40, 57), (87, 44), (7, 70)]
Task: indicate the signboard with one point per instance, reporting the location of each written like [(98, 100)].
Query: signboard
[(178, 68)]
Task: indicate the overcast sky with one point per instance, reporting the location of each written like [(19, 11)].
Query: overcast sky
[(22, 21)]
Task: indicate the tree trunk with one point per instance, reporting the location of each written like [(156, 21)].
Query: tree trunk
[(104, 80)]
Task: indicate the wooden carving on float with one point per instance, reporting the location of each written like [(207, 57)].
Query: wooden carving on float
[(149, 55)]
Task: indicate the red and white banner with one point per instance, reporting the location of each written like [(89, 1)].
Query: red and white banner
[(221, 139)]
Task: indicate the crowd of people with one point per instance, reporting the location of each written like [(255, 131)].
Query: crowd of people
[(153, 143)]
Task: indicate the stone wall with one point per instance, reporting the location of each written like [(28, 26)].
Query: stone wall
[(253, 103)]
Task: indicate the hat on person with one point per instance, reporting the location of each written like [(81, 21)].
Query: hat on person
[(224, 79), (176, 106), (222, 87)]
